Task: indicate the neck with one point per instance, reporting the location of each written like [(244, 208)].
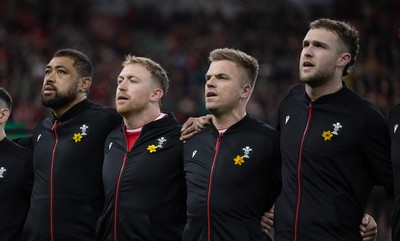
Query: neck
[(58, 112), (136, 120), (319, 91), (2, 133), (227, 120)]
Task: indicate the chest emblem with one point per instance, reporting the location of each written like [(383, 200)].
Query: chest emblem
[(327, 135), (161, 143), (395, 128), (3, 172), (240, 159), (77, 137)]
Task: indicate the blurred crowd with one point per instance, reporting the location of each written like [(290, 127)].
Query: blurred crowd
[(180, 38)]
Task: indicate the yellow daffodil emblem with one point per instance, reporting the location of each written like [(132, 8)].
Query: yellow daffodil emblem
[(77, 137), (152, 148), (327, 135), (239, 160)]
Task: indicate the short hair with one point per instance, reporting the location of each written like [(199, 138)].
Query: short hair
[(346, 33), (158, 73), (5, 99), (247, 62), (82, 63)]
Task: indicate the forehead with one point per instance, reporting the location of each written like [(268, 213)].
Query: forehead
[(135, 70), (321, 35), (66, 62), (223, 67)]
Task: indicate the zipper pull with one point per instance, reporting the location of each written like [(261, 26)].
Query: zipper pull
[(54, 125)]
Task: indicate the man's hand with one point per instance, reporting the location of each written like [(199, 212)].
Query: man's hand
[(267, 221), (368, 228), (194, 125)]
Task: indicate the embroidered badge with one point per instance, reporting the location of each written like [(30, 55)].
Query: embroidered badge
[(327, 135), (161, 143), (84, 132), (77, 137), (239, 159), (84, 129), (3, 172), (152, 148)]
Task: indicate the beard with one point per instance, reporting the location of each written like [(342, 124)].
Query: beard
[(59, 99), (317, 79)]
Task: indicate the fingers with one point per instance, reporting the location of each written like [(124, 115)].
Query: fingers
[(194, 125), (188, 123), (267, 221), (368, 228)]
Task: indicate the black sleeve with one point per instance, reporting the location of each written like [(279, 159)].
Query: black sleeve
[(24, 141)]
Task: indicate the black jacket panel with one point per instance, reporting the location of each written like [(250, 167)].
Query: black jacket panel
[(333, 150), (67, 196), (231, 181), (145, 185), (394, 130), (16, 179)]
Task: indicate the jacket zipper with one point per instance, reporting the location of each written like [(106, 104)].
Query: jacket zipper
[(209, 189), (54, 129), (116, 196), (117, 188), (299, 161)]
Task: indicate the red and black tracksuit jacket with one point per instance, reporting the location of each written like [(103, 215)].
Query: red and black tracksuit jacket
[(144, 186), (231, 181), (16, 179), (67, 197), (394, 130), (334, 149)]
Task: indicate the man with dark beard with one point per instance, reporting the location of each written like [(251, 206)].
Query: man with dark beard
[(67, 196), (335, 145)]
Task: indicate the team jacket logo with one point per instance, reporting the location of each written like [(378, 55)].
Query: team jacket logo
[(395, 128), (3, 172), (239, 159), (287, 119), (78, 136), (161, 143), (327, 135)]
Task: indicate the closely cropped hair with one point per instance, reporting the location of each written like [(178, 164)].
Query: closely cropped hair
[(81, 61), (347, 33), (158, 73), (249, 63), (5, 99)]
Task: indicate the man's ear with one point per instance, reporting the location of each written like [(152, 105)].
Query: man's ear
[(4, 115), (246, 92), (157, 95), (85, 84), (344, 59)]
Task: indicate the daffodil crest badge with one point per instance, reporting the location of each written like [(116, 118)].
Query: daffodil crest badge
[(328, 135), (77, 137), (240, 159), (161, 143)]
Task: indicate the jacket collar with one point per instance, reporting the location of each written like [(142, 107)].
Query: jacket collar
[(168, 120), (237, 126), (327, 98), (74, 110)]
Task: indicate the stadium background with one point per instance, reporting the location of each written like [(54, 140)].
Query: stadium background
[(179, 34)]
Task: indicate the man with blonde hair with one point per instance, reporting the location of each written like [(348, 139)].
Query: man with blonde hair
[(232, 166), (143, 168)]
